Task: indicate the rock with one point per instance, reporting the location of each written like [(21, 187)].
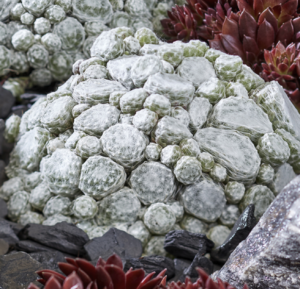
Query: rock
[(239, 233), (155, 246), (114, 241), (4, 246), (17, 270), (184, 244), (7, 100), (29, 246), (152, 264), (62, 236), (180, 265), (199, 261), (7, 234), (16, 227), (49, 259), (268, 258), (3, 208)]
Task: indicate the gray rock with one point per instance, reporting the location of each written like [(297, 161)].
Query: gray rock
[(199, 261), (29, 246), (268, 258), (3, 208), (183, 244), (7, 233), (63, 236), (4, 247), (7, 100), (17, 270), (180, 265), (49, 259)]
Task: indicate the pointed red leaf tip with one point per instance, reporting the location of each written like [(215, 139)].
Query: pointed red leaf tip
[(117, 276), (52, 283), (146, 279), (103, 278), (85, 278), (202, 275), (100, 262), (47, 276), (115, 260), (134, 278), (32, 286), (265, 35), (87, 267), (71, 261), (152, 283), (66, 268), (72, 282), (210, 284), (245, 286)]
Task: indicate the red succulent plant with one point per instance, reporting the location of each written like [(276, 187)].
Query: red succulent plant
[(81, 274)]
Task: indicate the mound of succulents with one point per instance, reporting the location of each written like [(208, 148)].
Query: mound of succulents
[(149, 137), (81, 274), (44, 38)]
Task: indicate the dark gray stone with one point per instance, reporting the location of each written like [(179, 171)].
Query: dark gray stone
[(15, 226), (63, 236), (49, 259), (239, 233), (7, 233), (184, 244), (3, 205), (32, 247), (152, 264), (114, 241), (7, 100), (31, 97), (180, 265), (269, 257), (199, 261), (17, 270), (4, 247), (19, 110)]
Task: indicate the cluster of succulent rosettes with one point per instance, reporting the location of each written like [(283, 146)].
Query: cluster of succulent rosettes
[(44, 38), (149, 137)]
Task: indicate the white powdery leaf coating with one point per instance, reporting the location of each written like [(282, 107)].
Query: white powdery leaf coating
[(273, 149), (121, 19), (12, 125), (189, 147), (18, 205), (71, 33), (150, 49), (89, 10), (52, 42), (57, 205), (19, 62), (139, 231), (192, 69), (177, 209), (32, 180), (5, 60), (159, 104), (126, 118), (73, 139), (145, 120), (54, 144), (170, 131), (249, 78), (188, 170), (95, 91), (31, 217), (41, 77), (198, 110), (234, 192), (265, 175), (133, 100), (79, 109), (100, 176), (230, 215), (57, 116), (6, 7), (107, 46), (29, 151), (243, 115), (155, 246), (36, 7), (10, 187), (39, 196), (125, 144), (15, 12), (120, 69), (204, 200), (181, 114), (75, 81), (60, 65), (194, 48), (75, 66), (232, 150), (62, 179), (122, 32), (41, 26), (95, 120), (236, 89), (114, 98), (167, 67), (84, 207), (121, 206), (175, 88), (137, 8), (95, 71), (153, 182), (170, 53), (55, 14), (146, 36), (88, 62), (132, 45), (144, 67), (88, 146), (22, 40), (37, 56), (57, 218), (212, 89), (170, 155), (193, 225), (218, 173), (152, 152), (218, 234), (228, 66), (159, 218), (86, 225), (27, 18), (65, 4), (97, 231), (207, 161)]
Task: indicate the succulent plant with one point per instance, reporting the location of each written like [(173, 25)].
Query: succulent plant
[(129, 143)]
